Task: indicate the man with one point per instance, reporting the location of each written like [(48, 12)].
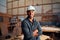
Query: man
[(30, 27)]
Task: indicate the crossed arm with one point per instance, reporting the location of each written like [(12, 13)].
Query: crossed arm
[(31, 34), (38, 31)]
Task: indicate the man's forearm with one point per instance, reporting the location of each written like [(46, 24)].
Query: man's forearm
[(35, 33)]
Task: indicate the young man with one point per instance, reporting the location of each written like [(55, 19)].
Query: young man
[(30, 27)]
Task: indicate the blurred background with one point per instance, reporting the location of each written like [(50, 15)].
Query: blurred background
[(12, 12)]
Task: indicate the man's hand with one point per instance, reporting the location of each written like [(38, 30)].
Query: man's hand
[(35, 33)]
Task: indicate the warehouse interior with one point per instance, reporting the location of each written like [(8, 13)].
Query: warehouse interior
[(14, 11)]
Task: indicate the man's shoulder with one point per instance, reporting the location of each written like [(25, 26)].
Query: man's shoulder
[(25, 20), (35, 21)]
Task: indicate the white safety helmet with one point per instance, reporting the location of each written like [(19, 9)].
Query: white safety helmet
[(31, 8)]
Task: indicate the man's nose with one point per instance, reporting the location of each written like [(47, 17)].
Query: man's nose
[(31, 13)]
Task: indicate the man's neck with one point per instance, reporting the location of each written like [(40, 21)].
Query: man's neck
[(31, 19)]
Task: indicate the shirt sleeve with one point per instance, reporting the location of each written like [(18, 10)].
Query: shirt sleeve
[(39, 29), (26, 30)]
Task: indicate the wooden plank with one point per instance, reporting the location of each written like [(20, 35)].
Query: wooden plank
[(50, 29)]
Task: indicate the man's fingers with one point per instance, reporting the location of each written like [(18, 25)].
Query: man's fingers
[(35, 34), (36, 30)]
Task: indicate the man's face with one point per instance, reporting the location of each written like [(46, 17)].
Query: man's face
[(30, 13)]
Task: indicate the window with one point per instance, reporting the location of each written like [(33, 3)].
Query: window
[(47, 8), (9, 11), (54, 1), (14, 11), (56, 8), (21, 10), (15, 4), (15, 0), (29, 2), (38, 9), (25, 9), (46, 1), (10, 0), (21, 2), (37, 2), (10, 5)]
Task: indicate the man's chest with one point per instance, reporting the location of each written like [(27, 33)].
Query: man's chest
[(33, 26)]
